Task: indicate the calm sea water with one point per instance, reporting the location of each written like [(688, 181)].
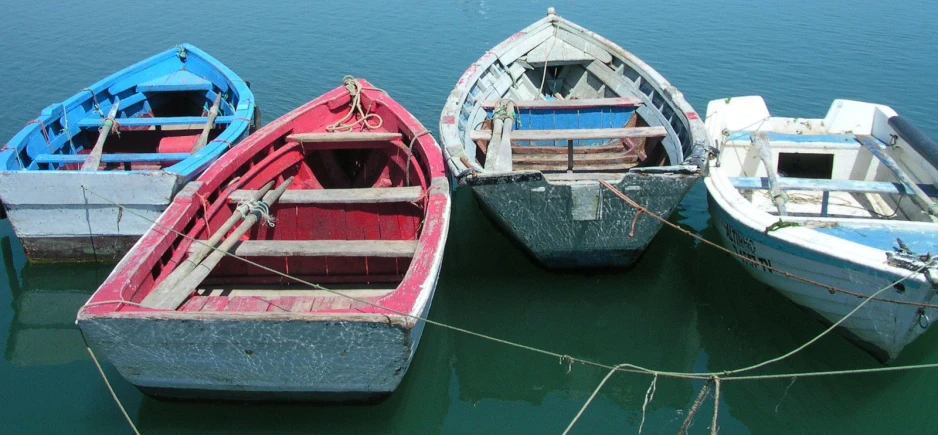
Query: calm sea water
[(685, 307)]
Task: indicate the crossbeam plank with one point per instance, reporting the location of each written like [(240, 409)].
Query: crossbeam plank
[(569, 104), (351, 136), (576, 134), (96, 121), (340, 196), (326, 248), (112, 158), (787, 183)]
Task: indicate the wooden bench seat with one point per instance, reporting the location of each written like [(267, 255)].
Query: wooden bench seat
[(95, 121), (326, 248), (340, 196), (569, 104), (181, 80), (576, 134), (786, 183), (351, 136), (111, 158)]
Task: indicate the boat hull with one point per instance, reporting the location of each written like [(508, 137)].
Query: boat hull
[(580, 225), (259, 360), (72, 216), (882, 329)]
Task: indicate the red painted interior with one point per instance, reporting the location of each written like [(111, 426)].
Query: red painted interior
[(266, 156)]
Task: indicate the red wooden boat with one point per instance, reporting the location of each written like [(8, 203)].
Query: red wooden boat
[(356, 200)]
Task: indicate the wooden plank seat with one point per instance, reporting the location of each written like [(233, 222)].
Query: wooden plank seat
[(111, 158), (568, 104), (578, 159), (181, 80), (786, 183), (324, 248), (351, 136), (339, 196), (95, 121), (576, 134)]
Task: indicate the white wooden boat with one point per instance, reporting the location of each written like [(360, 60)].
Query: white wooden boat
[(847, 201), (542, 118)]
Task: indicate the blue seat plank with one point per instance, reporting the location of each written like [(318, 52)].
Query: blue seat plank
[(112, 158), (787, 183), (95, 120), (181, 80)]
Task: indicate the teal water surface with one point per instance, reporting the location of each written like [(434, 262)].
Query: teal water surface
[(685, 307)]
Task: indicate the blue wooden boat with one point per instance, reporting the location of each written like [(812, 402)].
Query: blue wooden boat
[(133, 138), (542, 119), (847, 201)]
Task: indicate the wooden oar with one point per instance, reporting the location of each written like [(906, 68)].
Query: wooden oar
[(760, 140), (181, 291), (94, 158), (910, 185), (201, 250), (212, 114)]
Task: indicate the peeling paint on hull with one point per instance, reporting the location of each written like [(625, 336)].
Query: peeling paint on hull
[(539, 216), (83, 248), (250, 360)]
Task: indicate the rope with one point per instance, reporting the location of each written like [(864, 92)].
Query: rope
[(94, 98), (249, 207), (108, 384), (410, 153), (540, 90), (68, 134), (355, 106), (624, 367), (716, 405), (827, 287), (45, 133)]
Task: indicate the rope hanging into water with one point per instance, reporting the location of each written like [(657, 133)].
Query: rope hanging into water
[(108, 384), (355, 108), (715, 377)]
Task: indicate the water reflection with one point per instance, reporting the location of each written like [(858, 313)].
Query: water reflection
[(45, 298)]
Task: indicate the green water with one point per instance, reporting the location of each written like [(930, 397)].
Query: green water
[(685, 307)]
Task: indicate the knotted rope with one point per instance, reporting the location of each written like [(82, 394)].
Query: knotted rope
[(355, 107), (262, 207)]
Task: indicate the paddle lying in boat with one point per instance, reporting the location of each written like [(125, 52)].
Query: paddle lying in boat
[(134, 138), (847, 201), (534, 125), (349, 193)]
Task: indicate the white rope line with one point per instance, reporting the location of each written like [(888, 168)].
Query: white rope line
[(625, 367)]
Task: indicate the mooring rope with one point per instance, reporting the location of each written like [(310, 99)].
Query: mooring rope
[(716, 377), (355, 107), (540, 91), (108, 384), (787, 274)]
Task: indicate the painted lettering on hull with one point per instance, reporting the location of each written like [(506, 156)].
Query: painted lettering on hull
[(746, 247)]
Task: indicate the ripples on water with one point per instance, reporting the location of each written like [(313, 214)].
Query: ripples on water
[(685, 306)]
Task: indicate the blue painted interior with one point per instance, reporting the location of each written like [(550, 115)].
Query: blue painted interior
[(798, 138), (142, 90), (554, 119), (921, 242)]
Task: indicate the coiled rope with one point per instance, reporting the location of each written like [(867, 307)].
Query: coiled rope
[(355, 108)]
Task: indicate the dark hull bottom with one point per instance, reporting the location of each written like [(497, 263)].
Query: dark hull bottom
[(77, 249), (331, 398), (598, 259), (875, 351)]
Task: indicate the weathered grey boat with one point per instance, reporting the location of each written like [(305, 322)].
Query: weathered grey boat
[(542, 118)]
